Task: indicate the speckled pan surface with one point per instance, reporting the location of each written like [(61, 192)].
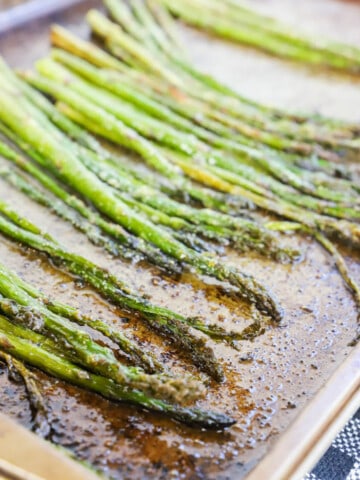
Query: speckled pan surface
[(270, 379)]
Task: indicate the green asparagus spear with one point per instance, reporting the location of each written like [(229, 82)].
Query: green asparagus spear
[(41, 425), (136, 354), (213, 331), (168, 26)]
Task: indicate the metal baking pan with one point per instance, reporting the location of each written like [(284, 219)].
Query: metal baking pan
[(291, 389)]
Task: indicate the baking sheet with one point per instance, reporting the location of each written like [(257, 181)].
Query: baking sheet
[(272, 378), (16, 13)]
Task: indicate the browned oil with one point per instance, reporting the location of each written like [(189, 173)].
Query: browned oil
[(270, 379)]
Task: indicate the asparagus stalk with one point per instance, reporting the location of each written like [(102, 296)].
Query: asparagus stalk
[(254, 232), (156, 36), (100, 24), (122, 10), (208, 198), (94, 234), (154, 10), (200, 217), (186, 118), (139, 357), (16, 368), (136, 354), (212, 83), (243, 234), (58, 367), (162, 133), (168, 26)]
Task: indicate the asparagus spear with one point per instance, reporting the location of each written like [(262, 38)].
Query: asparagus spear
[(136, 354), (157, 200), (156, 36), (208, 198), (176, 113), (163, 133), (99, 23), (152, 106), (148, 13), (16, 368), (168, 26), (122, 10), (94, 234), (65, 40), (58, 367), (114, 289), (156, 9), (144, 359), (222, 226)]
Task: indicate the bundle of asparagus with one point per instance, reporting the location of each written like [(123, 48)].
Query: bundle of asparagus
[(197, 119), (41, 352), (237, 21), (46, 334), (65, 159), (218, 157)]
